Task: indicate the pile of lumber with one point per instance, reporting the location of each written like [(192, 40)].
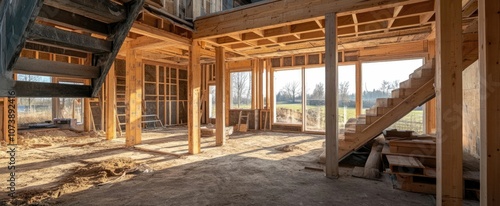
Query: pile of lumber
[(411, 162)]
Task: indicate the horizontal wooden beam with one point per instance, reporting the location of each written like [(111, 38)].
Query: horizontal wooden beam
[(36, 89), (344, 43), (73, 21), (148, 43), (57, 37), (275, 13), (54, 68), (146, 30), (55, 50), (101, 10)]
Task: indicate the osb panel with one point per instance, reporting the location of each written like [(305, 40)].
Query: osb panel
[(471, 106)]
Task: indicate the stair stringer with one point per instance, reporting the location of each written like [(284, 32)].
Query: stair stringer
[(423, 94)]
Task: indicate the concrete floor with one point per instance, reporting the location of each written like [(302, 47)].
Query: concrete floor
[(248, 170)]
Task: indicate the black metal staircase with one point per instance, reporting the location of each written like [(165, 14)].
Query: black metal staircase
[(94, 30)]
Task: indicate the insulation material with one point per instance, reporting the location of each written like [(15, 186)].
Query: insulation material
[(287, 61), (276, 62), (300, 60), (313, 59)]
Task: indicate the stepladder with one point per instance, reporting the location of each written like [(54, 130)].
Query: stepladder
[(243, 116)]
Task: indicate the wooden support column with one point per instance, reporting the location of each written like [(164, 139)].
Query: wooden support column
[(220, 108), (359, 89), (111, 104), (430, 106), (227, 74), (255, 84), (194, 89), (87, 121), (449, 102), (133, 97), (331, 92), (271, 100), (260, 70), (430, 116), (489, 58)]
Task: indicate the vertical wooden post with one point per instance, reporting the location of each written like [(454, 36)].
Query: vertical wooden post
[(133, 97), (111, 104), (227, 74), (430, 106), (260, 71), (269, 84), (489, 56), (271, 101), (449, 102), (304, 100), (220, 110), (194, 87), (430, 116), (359, 89), (86, 102), (331, 81)]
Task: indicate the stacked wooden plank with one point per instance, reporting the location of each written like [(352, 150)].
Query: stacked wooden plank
[(411, 161)]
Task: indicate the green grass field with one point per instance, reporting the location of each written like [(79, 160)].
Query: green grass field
[(412, 121)]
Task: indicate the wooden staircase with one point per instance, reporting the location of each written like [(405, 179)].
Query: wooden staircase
[(90, 30), (415, 91)]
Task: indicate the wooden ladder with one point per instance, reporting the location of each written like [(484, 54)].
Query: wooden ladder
[(241, 116)]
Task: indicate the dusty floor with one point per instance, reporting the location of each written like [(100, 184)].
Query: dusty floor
[(248, 170)]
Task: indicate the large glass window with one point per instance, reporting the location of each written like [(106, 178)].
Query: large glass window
[(211, 101), (380, 78), (315, 99), (347, 94), (288, 96), (34, 110), (241, 90), (70, 108), (315, 96)]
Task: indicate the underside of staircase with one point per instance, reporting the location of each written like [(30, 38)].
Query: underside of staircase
[(89, 30), (415, 91)]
